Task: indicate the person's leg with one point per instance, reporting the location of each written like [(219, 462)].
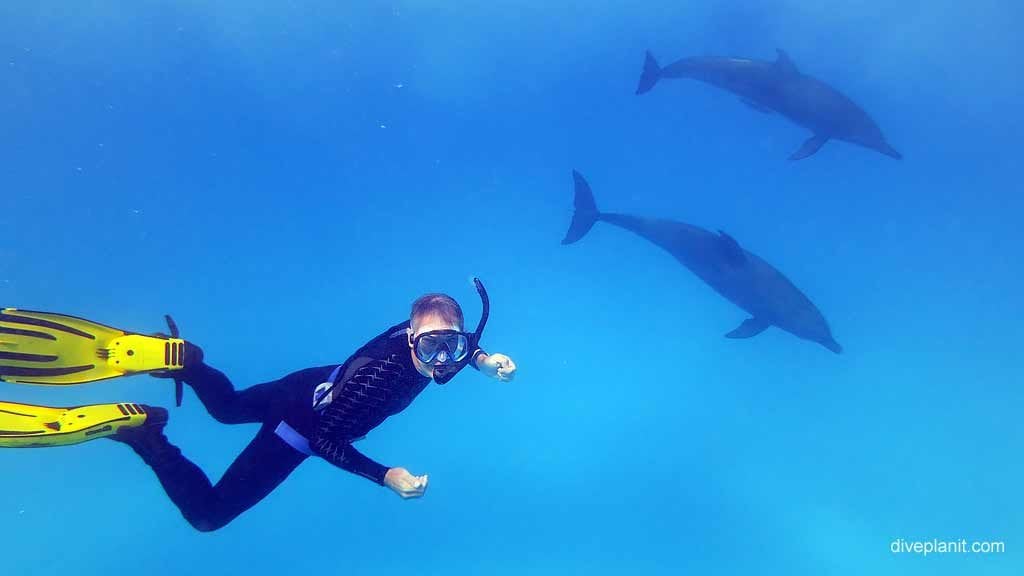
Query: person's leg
[(217, 393), (258, 403), (226, 404), (260, 468)]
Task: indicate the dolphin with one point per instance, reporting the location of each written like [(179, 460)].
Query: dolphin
[(779, 87), (737, 274)]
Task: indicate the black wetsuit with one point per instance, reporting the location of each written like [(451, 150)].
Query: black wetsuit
[(378, 381)]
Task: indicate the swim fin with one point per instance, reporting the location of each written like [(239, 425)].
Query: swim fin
[(56, 349), (28, 426)]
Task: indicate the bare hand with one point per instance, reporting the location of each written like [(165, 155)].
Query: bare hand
[(498, 366), (405, 484)]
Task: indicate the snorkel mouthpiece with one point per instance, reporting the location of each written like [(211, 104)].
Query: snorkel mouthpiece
[(444, 373)]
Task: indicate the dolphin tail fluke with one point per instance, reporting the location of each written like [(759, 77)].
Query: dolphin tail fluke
[(586, 211), (651, 74)]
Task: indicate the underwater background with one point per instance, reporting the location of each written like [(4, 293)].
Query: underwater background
[(285, 179)]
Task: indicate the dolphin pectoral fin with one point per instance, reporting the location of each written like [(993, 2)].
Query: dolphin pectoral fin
[(586, 213), (809, 147), (759, 107), (890, 151), (649, 77), (734, 253), (784, 64), (749, 328), (832, 345)]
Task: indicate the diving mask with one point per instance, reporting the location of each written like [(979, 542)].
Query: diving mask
[(441, 346)]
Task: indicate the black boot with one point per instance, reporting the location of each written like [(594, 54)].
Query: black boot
[(193, 355), (148, 440), (193, 360)]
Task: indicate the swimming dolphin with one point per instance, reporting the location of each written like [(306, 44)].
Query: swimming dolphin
[(779, 87), (740, 276)]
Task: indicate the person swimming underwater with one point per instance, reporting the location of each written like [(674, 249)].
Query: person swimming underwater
[(317, 412)]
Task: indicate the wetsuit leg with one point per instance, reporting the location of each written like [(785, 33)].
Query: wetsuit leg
[(228, 405), (260, 468)]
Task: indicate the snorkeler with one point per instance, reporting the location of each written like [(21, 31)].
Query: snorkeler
[(313, 412)]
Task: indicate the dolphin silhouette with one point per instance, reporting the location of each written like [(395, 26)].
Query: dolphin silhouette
[(739, 275), (779, 87)]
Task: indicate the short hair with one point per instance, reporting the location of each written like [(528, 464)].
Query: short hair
[(441, 305)]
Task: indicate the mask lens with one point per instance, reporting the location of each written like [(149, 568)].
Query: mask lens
[(458, 352), (427, 347), (429, 344)]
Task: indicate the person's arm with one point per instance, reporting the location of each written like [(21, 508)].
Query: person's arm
[(495, 365), (333, 444), (347, 417), (478, 356), (356, 409)]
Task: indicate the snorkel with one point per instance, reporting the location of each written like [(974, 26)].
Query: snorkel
[(445, 372)]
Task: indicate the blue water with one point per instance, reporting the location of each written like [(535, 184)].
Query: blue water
[(286, 179)]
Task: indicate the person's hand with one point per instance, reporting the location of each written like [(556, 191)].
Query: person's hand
[(498, 366), (405, 484)]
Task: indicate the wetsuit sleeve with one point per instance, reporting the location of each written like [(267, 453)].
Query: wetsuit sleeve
[(328, 445), (346, 457), (472, 359)]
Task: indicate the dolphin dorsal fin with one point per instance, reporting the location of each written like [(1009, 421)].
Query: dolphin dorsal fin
[(734, 253), (784, 64)]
